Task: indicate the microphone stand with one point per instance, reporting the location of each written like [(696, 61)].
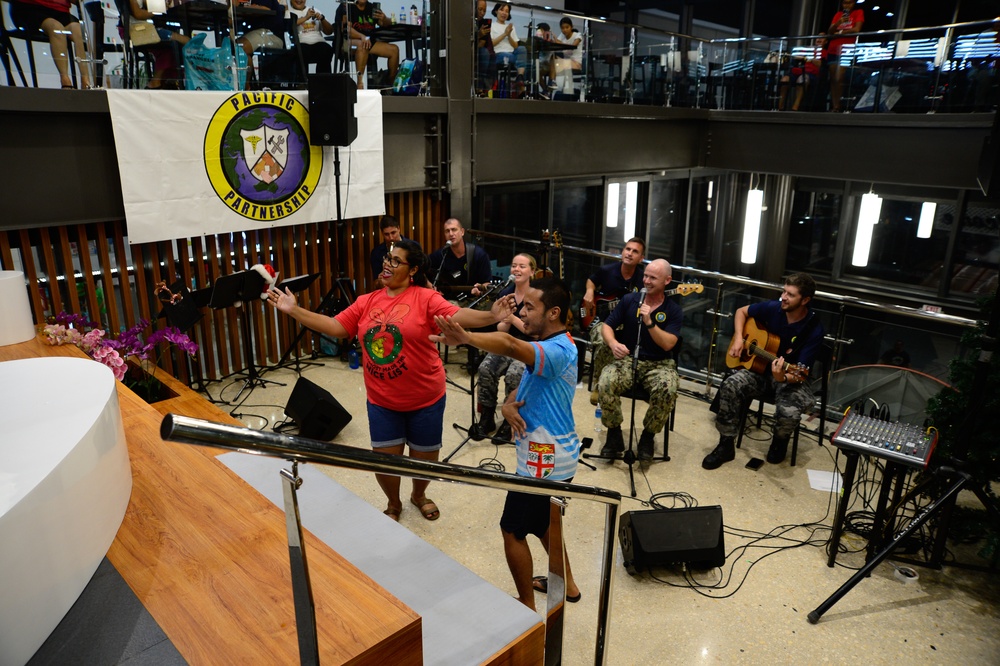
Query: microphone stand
[(437, 275), (628, 457)]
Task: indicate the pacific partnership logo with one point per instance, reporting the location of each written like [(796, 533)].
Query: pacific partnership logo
[(258, 157)]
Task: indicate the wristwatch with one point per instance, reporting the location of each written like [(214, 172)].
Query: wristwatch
[(651, 324)]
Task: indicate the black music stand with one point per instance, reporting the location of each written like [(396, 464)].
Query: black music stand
[(297, 285), (242, 288), (183, 314)]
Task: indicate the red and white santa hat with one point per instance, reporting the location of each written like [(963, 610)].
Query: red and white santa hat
[(270, 278)]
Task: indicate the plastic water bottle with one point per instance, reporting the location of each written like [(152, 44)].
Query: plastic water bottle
[(402, 15), (353, 358), (598, 426)]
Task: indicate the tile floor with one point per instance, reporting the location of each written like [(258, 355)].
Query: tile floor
[(753, 610)]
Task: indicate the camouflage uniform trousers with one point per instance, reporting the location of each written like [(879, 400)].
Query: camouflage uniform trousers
[(659, 378), (600, 354), (491, 370), (790, 400)]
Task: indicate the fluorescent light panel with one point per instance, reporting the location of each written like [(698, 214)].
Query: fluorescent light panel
[(926, 224), (611, 214), (871, 208), (631, 194), (751, 226)]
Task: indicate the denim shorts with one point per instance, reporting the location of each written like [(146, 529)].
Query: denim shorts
[(421, 429)]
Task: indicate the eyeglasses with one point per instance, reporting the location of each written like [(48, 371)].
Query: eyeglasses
[(395, 262)]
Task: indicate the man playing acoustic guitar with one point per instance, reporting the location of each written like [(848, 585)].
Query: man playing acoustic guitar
[(797, 327)]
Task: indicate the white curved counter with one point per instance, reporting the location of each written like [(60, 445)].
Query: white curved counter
[(65, 483)]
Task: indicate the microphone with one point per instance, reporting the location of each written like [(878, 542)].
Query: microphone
[(447, 243), (510, 278), (642, 299)]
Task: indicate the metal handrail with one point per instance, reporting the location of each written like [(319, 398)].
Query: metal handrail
[(299, 449)]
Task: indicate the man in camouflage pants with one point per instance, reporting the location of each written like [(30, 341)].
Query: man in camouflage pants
[(656, 324), (792, 320)]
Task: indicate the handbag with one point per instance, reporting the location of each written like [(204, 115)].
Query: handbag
[(143, 34)]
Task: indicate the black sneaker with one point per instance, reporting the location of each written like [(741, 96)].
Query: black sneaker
[(480, 431), (779, 448), (646, 446), (723, 453), (503, 435), (614, 444)]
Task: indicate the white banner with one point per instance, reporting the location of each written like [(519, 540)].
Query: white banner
[(201, 163)]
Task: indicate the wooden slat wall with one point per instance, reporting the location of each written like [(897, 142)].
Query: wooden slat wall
[(48, 255)]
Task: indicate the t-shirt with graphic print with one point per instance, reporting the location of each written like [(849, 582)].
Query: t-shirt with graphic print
[(402, 367)]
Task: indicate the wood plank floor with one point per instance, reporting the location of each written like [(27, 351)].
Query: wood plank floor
[(207, 555)]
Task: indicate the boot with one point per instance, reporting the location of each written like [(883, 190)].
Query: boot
[(779, 448), (723, 453), (614, 444), (646, 446), (504, 434), (485, 427), (594, 398)]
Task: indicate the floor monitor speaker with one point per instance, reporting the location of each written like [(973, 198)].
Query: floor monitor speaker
[(316, 411), (661, 537), (331, 110)]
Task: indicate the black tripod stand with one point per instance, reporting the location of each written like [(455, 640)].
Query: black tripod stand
[(473, 369), (297, 285), (242, 288), (954, 473)]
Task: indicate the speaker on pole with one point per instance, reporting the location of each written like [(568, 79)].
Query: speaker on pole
[(316, 411), (331, 110), (661, 537)]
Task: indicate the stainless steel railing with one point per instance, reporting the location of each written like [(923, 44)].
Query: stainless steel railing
[(299, 449)]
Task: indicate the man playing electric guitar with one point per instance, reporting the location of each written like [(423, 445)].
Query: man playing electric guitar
[(459, 264), (605, 288), (800, 334)]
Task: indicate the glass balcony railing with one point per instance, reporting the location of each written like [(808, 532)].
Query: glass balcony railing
[(942, 68), (536, 53)]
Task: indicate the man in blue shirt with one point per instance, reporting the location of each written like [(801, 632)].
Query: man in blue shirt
[(656, 326), (541, 416), (389, 226), (793, 321), (605, 289)]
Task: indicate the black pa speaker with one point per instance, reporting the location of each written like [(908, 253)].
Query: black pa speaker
[(316, 411), (331, 110), (661, 537)]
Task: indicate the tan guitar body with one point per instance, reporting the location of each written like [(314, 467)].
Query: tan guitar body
[(755, 339)]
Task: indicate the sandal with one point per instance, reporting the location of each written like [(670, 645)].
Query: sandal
[(541, 584), (427, 507), (393, 512)]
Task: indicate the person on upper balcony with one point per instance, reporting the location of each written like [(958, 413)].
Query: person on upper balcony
[(506, 45), (53, 18), (363, 20), (804, 74), (166, 72), (570, 61), (310, 26), (486, 58), (267, 31), (848, 21)]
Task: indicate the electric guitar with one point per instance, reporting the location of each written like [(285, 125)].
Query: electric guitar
[(603, 305), (760, 349)]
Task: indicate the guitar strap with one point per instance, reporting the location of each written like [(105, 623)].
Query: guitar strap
[(470, 254)]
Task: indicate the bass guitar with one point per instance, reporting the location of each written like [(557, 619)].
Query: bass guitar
[(760, 349), (603, 305)]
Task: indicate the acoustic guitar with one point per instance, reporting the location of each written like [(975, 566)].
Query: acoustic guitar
[(760, 349), (604, 305)]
